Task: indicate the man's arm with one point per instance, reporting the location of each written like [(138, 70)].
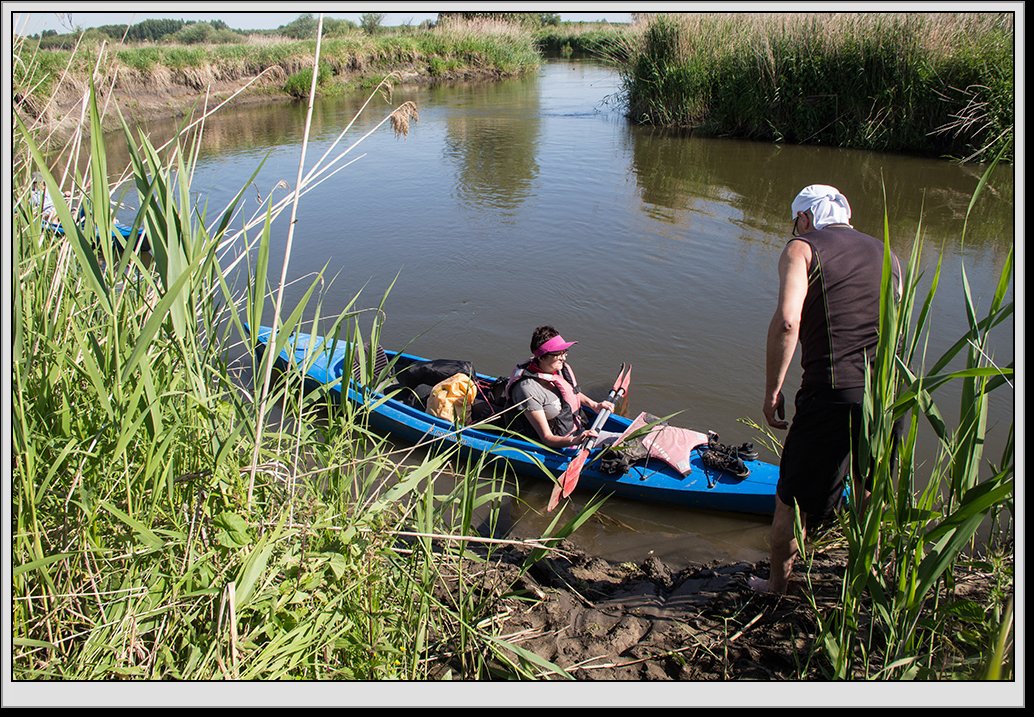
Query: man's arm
[(784, 329)]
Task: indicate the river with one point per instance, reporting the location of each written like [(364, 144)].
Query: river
[(530, 201)]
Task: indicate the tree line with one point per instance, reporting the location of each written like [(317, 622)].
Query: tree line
[(303, 27)]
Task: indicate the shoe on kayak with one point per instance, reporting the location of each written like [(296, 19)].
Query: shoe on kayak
[(725, 462)]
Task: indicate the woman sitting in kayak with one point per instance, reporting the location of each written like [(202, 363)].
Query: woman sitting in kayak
[(545, 389), (41, 198)]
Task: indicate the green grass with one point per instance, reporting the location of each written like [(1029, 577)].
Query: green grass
[(299, 84), (487, 47), (164, 524)]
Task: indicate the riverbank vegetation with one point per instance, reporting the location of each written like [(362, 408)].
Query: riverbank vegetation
[(462, 43), (144, 74), (928, 83), (179, 511), (182, 511)]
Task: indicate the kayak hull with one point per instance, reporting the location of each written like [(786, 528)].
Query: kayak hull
[(652, 481)]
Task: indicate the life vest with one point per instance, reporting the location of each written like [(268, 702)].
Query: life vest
[(564, 385)]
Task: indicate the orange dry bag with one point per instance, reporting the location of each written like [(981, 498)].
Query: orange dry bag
[(452, 398)]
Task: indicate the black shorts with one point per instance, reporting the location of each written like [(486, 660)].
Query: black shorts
[(818, 450)]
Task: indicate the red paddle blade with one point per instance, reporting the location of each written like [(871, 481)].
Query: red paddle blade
[(554, 498), (568, 480), (625, 368), (570, 477)]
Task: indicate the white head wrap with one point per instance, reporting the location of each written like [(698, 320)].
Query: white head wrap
[(827, 205)]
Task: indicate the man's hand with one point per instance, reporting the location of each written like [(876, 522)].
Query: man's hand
[(775, 411)]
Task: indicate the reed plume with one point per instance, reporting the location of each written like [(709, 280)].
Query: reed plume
[(402, 116)]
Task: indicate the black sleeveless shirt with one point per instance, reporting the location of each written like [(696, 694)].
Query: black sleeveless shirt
[(840, 319)]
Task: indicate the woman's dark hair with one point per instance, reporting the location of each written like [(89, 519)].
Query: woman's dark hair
[(541, 335)]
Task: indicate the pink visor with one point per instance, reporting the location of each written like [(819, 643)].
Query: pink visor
[(553, 345)]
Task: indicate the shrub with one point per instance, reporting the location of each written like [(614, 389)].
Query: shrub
[(203, 32), (154, 30), (299, 84), (371, 22)]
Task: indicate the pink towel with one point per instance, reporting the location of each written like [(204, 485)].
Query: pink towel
[(671, 444)]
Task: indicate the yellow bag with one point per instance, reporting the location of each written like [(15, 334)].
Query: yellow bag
[(452, 398)]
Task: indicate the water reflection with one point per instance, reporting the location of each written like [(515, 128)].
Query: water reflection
[(492, 136), (678, 175)]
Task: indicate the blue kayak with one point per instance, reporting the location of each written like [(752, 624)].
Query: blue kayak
[(121, 234), (329, 362)]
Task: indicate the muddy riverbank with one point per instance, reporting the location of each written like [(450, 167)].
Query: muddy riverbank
[(162, 94), (601, 621)]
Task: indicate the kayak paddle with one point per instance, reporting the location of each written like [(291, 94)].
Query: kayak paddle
[(569, 478)]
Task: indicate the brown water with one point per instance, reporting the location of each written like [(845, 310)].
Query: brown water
[(532, 201)]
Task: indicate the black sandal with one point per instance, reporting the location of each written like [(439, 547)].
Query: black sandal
[(744, 451), (723, 461), (747, 452)]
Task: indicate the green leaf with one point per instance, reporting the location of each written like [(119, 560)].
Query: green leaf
[(952, 534), (977, 502), (154, 323), (36, 564), (999, 655), (529, 656), (142, 531), (27, 642), (408, 483), (338, 565), (233, 530), (251, 571), (967, 610)]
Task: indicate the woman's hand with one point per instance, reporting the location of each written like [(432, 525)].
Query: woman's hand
[(578, 439)]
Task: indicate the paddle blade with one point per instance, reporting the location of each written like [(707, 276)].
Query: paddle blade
[(554, 498), (570, 477)]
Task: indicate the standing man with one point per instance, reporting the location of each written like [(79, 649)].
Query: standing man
[(829, 299)]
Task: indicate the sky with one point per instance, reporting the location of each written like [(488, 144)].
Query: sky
[(31, 18)]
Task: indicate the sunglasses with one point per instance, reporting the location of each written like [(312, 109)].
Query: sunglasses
[(796, 231)]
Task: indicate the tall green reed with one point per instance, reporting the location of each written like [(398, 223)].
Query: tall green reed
[(905, 540), (164, 526), (911, 82)]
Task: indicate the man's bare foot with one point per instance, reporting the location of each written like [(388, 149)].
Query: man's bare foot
[(761, 585)]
